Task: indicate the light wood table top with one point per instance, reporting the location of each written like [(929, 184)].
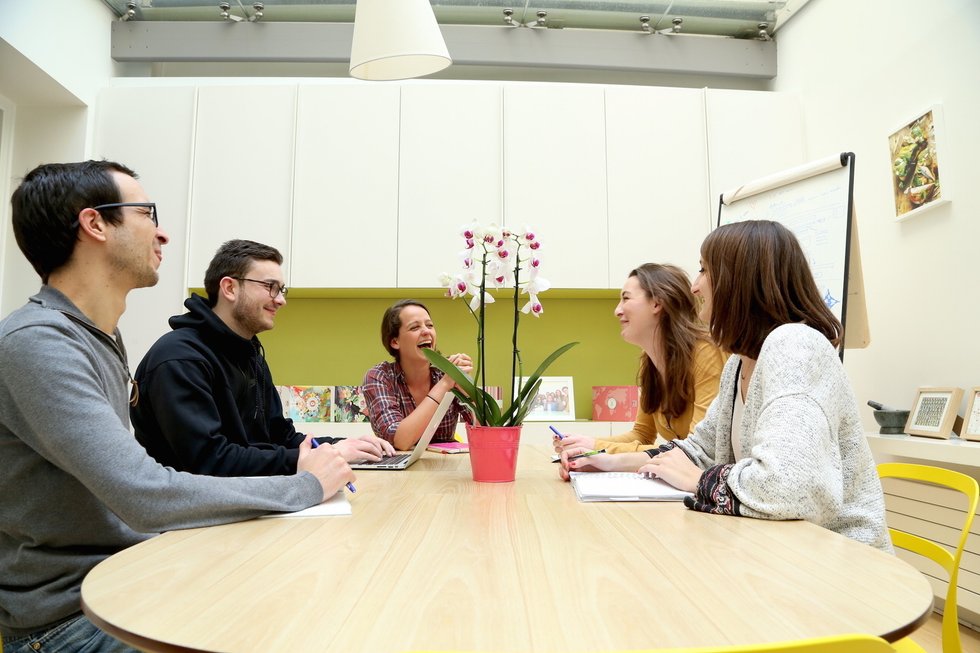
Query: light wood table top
[(432, 560)]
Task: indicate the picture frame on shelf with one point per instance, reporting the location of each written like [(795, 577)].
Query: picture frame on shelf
[(555, 400), (934, 412), (916, 149), (971, 419)]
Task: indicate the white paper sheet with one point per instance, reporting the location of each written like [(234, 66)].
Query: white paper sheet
[(335, 505)]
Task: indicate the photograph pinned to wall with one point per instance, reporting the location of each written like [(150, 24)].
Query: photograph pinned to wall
[(971, 419), (555, 400), (310, 403), (915, 149), (349, 404), (934, 412)]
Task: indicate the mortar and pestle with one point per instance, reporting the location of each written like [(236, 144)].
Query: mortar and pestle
[(890, 420)]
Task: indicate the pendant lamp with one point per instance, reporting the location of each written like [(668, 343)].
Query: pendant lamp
[(396, 39)]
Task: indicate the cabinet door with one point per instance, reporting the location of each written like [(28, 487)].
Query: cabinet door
[(150, 130), (658, 180), (751, 134), (243, 171), (450, 175), (345, 212), (555, 178)]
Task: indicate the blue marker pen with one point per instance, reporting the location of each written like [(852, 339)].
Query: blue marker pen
[(557, 432), (315, 444)]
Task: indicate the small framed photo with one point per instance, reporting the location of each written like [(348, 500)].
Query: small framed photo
[(915, 149), (555, 400), (934, 412), (971, 420)]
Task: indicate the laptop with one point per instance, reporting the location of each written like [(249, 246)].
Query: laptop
[(404, 460)]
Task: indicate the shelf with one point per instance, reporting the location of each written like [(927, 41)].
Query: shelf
[(954, 450)]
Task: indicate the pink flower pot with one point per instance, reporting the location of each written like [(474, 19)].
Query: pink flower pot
[(493, 452)]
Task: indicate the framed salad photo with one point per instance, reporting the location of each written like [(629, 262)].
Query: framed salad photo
[(555, 400), (915, 150), (934, 412), (971, 420)]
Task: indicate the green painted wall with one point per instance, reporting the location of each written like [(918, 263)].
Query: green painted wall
[(334, 340)]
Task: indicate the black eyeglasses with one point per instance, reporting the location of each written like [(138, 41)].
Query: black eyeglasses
[(272, 286), (146, 205)]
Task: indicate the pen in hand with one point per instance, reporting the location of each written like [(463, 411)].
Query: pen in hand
[(315, 444), (557, 433), (586, 454)]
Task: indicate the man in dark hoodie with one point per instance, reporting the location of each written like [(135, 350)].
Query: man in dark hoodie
[(207, 403)]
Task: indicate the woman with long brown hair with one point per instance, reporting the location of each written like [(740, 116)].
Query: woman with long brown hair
[(679, 370), (783, 439)]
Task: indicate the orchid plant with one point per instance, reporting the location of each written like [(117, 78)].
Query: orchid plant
[(495, 257)]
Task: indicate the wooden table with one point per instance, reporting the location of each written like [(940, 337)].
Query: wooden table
[(432, 560)]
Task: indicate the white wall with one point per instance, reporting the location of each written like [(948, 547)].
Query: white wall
[(67, 39), (863, 69)]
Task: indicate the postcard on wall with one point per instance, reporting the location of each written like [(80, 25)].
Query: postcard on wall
[(615, 403), (285, 397), (555, 400), (348, 404), (310, 403), (915, 152)]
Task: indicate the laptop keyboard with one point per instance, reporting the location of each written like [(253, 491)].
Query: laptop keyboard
[(390, 460)]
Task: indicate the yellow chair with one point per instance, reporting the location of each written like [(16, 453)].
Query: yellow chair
[(921, 546), (837, 644)]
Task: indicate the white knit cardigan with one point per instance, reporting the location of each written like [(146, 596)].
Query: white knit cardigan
[(803, 453)]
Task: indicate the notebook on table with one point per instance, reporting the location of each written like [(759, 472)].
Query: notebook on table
[(623, 486), (404, 460)]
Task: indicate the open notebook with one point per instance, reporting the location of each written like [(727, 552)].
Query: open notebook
[(623, 486)]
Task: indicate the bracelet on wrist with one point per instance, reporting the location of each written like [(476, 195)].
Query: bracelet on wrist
[(432, 398)]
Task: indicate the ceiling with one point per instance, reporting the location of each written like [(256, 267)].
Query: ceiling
[(741, 19)]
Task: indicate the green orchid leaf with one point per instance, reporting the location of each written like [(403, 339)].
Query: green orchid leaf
[(517, 410)]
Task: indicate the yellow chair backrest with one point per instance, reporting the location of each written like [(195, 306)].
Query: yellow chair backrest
[(837, 644), (949, 561)]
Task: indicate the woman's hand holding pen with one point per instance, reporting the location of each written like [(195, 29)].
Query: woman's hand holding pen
[(573, 460), (569, 442), (676, 468), (327, 465)]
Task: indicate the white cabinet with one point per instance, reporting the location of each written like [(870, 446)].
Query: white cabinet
[(151, 131), (751, 134), (555, 178), (450, 174), (345, 208), (242, 171), (657, 177)]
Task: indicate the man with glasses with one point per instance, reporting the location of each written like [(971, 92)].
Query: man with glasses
[(207, 400), (75, 487)]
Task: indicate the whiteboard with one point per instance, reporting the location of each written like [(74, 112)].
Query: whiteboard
[(815, 202)]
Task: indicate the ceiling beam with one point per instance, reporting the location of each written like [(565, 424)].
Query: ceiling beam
[(478, 45)]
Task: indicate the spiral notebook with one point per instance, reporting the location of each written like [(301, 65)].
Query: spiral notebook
[(623, 486)]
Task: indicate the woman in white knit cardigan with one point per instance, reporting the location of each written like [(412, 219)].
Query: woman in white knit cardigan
[(783, 439)]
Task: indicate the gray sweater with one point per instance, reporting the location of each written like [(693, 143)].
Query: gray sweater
[(803, 453), (75, 486)]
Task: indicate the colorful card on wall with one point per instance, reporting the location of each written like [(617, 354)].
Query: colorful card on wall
[(310, 403), (348, 404), (286, 397), (615, 403)]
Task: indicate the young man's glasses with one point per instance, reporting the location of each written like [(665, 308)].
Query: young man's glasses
[(146, 205), (273, 287)]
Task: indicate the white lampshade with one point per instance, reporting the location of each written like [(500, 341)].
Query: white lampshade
[(396, 39)]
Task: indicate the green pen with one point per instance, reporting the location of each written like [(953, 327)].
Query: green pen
[(587, 454)]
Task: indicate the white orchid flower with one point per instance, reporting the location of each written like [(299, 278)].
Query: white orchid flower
[(533, 306)]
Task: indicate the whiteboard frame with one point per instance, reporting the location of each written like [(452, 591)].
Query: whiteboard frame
[(800, 173)]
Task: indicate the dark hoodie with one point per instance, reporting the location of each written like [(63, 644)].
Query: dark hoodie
[(207, 404)]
